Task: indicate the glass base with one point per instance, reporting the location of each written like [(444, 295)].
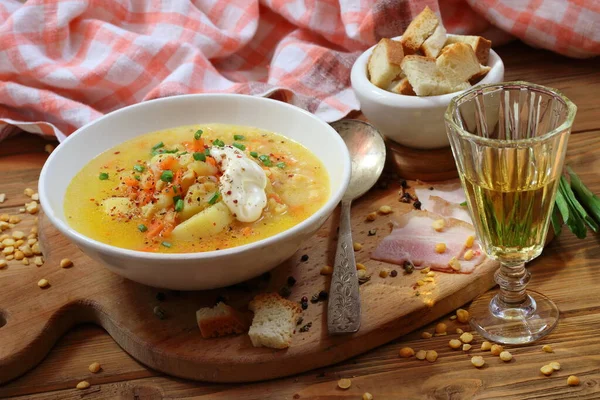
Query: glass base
[(502, 324)]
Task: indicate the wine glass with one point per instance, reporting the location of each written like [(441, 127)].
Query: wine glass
[(509, 142)]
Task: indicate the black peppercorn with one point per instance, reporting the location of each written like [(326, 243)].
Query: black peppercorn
[(403, 183), (304, 305), (323, 295), (304, 258), (417, 205), (372, 232), (291, 281), (314, 298), (408, 267), (304, 299), (394, 273)]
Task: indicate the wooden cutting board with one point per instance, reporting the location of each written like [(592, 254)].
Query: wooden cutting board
[(32, 319)]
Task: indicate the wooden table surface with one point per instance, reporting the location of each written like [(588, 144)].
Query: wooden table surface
[(574, 287)]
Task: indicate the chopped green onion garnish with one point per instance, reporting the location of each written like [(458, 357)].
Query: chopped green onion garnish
[(239, 137), (280, 165), (179, 205), (265, 160), (254, 154), (198, 134), (176, 198), (218, 143), (158, 146), (214, 198), (103, 176), (166, 244), (207, 152), (137, 177), (166, 176), (239, 146), (199, 156), (463, 204), (180, 154), (142, 228), (139, 168)]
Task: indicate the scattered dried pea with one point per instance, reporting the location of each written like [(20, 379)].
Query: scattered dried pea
[(485, 346), (452, 317), (344, 383), (505, 356), (470, 241), (385, 210), (371, 216), (357, 246), (8, 250), (572, 380), (18, 235), (39, 261), (94, 367), (360, 266), (430, 273), (28, 192), (14, 219), (3, 263), (466, 337), (2, 197), (83, 385), (454, 264), (547, 370), (66, 263), (48, 148), (440, 248), (406, 352), (469, 255), (462, 315), (459, 331), (431, 355), (43, 283), (420, 355), (555, 365), (384, 273), (477, 361), (19, 255), (367, 396), (326, 270), (441, 328), (496, 349), (25, 261), (35, 197), (426, 270), (466, 347), (438, 225), (426, 335), (454, 344), (547, 348)]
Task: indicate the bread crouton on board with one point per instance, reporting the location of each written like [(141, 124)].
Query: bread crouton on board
[(274, 320), (220, 320), (384, 63)]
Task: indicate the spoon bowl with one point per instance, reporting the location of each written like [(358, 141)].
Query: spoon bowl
[(367, 153)]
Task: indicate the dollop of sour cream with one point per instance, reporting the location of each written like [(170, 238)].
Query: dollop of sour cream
[(243, 183)]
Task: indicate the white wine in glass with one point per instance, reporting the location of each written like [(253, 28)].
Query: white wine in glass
[(509, 142)]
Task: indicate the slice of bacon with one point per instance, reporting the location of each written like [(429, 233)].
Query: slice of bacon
[(414, 239), (444, 199)]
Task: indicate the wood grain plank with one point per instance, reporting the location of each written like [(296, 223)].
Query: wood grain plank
[(579, 80), (382, 373)]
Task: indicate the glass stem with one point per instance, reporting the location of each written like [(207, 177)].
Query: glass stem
[(512, 279)]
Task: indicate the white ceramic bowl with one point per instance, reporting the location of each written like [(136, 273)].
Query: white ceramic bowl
[(194, 271), (412, 121)]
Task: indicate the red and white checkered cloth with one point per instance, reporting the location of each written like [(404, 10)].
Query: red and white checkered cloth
[(64, 63)]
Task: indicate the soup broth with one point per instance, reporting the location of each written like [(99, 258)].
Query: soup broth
[(195, 189)]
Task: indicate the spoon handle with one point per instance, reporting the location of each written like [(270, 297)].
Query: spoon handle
[(343, 310)]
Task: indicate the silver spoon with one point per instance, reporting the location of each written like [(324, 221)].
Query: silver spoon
[(367, 151)]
